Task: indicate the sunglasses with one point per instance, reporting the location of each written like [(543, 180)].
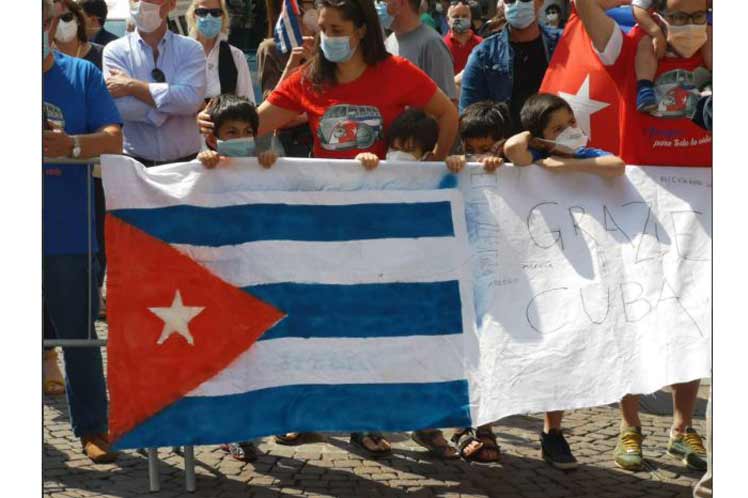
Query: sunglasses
[(158, 76), (682, 18), (67, 17), (201, 12)]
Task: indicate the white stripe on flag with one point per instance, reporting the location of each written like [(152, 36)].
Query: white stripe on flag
[(294, 361), (427, 259)]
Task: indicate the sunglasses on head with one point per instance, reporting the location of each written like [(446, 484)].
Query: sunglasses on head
[(201, 12), (67, 17), (158, 75)]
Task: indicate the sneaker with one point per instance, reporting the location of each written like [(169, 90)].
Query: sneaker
[(688, 447), (646, 100), (245, 451), (628, 452), (97, 448), (555, 450)]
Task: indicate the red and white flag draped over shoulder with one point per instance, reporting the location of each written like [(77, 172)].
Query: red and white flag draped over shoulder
[(576, 74), (604, 100)]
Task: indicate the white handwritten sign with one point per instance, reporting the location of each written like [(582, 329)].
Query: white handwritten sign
[(588, 288)]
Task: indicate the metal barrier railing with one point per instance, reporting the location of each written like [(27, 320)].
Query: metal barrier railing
[(94, 167)]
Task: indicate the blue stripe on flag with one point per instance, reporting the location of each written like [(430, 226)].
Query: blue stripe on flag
[(363, 310), (228, 225), (304, 408)]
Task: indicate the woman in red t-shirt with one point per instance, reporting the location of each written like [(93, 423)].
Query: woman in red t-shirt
[(352, 89)]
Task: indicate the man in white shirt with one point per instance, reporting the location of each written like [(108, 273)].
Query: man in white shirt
[(158, 81)]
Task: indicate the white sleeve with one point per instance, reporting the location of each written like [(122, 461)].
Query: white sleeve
[(244, 78), (644, 4), (612, 51)]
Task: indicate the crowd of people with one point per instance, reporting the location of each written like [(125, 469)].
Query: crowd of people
[(397, 80)]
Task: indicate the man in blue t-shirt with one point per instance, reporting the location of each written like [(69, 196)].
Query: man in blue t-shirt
[(80, 121)]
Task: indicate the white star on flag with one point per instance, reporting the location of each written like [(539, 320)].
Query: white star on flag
[(583, 106), (176, 319)]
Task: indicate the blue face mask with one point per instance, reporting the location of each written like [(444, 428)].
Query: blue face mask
[(336, 48), (236, 147), (209, 26), (520, 14), (45, 45), (385, 18)]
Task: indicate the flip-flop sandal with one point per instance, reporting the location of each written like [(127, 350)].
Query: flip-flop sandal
[(297, 439), (428, 439), (244, 451), (357, 440), (54, 387), (465, 438), (488, 438)]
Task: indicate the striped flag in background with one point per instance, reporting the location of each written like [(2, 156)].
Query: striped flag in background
[(287, 29), (239, 314)]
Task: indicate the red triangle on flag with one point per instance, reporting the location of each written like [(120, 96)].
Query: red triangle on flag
[(172, 325)]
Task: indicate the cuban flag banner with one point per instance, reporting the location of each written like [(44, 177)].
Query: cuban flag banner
[(287, 31), (237, 312)]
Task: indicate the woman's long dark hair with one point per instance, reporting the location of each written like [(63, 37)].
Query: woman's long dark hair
[(319, 71)]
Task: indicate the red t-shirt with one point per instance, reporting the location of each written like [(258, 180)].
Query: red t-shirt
[(350, 118), (672, 139), (460, 53)]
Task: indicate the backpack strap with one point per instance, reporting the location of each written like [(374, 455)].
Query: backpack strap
[(227, 73)]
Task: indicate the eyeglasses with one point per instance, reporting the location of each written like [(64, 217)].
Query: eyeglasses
[(204, 12), (158, 76), (682, 18), (509, 2), (67, 17)]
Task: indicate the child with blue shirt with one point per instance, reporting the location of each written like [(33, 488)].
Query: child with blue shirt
[(553, 139)]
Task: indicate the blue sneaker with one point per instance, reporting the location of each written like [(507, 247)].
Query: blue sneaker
[(646, 100)]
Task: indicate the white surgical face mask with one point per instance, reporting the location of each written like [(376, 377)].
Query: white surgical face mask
[(66, 31), (147, 16), (572, 137), (399, 155)]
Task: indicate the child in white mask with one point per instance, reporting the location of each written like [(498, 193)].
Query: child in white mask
[(411, 137), (685, 34), (553, 139)]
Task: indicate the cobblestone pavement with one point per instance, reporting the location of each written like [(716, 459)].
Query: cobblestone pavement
[(331, 468)]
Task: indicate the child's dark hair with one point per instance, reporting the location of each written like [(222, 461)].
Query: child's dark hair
[(416, 125), (537, 111), (486, 119), (229, 107)]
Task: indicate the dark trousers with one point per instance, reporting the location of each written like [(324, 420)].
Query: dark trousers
[(66, 289)]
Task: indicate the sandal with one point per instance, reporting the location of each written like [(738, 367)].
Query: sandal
[(245, 451), (433, 440), (292, 438), (486, 436), (463, 439), (357, 440), (54, 381)]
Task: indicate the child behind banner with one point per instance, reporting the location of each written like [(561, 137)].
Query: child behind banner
[(235, 123), (484, 127), (554, 140)]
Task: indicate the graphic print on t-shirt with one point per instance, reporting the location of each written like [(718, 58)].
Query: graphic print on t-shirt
[(678, 92), (54, 115), (346, 127)]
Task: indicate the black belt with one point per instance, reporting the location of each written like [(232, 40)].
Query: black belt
[(148, 163)]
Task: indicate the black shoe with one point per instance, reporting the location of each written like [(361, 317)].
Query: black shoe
[(555, 450), (245, 451)]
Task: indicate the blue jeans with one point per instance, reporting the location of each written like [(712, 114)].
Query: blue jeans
[(66, 287)]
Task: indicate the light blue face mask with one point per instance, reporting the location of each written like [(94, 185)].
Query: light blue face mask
[(209, 26), (519, 14), (336, 48), (236, 147), (45, 45), (460, 25), (385, 18)]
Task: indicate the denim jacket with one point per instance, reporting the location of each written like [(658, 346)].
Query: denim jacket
[(489, 72)]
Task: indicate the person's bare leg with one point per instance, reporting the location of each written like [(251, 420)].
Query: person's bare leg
[(552, 421), (684, 400), (630, 410), (645, 63)]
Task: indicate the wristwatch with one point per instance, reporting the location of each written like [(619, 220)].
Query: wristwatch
[(76, 147)]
